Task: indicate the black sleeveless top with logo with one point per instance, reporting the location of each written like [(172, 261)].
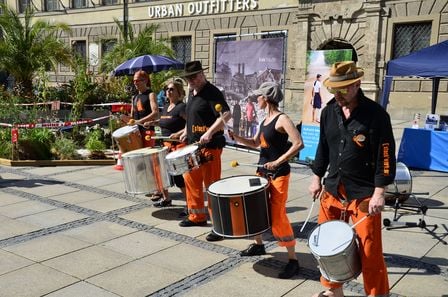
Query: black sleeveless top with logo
[(172, 121), (142, 107), (273, 144)]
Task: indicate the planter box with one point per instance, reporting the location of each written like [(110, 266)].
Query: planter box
[(42, 163)]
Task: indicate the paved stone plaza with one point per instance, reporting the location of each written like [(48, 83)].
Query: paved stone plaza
[(73, 231)]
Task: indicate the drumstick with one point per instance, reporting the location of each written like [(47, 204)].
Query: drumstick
[(235, 164), (311, 210), (218, 108)]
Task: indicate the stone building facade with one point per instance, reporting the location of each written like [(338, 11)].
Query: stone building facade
[(368, 27)]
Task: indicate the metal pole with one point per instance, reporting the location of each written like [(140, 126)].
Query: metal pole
[(125, 20)]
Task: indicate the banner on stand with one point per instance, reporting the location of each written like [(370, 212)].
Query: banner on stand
[(316, 96), (241, 67)]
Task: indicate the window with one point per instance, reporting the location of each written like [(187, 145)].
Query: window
[(224, 37), (107, 45), (79, 49), (277, 34), (109, 2), (182, 48), (410, 37), (23, 4), (79, 3), (51, 5)]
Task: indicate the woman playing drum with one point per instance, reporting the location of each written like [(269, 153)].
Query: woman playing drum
[(172, 123), (272, 138)]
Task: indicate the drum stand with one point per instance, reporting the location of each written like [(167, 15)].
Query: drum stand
[(419, 208)]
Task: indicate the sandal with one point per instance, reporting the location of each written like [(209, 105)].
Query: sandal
[(327, 293), (154, 196)]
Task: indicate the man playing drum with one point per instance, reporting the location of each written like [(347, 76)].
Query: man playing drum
[(204, 126), (275, 152), (357, 146), (144, 107)]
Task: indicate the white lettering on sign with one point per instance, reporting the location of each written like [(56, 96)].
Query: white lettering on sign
[(201, 8)]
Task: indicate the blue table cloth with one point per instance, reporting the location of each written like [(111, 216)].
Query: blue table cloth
[(424, 149)]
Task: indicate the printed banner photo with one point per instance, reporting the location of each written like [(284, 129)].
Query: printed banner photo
[(241, 67)]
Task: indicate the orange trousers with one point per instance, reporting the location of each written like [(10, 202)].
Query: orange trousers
[(281, 227), (197, 179), (374, 270)]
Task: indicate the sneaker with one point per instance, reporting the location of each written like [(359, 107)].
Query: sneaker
[(162, 203), (188, 223), (212, 236), (253, 250), (291, 269)]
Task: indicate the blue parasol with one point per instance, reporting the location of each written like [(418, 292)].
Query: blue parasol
[(148, 63)]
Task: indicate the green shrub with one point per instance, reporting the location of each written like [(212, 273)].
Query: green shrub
[(64, 149)]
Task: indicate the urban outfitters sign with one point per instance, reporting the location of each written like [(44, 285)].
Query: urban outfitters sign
[(201, 8)]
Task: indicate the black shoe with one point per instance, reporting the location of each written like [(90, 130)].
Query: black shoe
[(162, 203), (291, 269), (212, 236), (188, 223), (253, 250), (183, 213)]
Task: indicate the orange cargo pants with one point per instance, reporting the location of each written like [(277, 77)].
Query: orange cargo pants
[(281, 227), (197, 179), (374, 270)]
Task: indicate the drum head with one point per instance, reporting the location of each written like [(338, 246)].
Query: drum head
[(186, 150), (330, 238), (238, 185), (123, 131), (144, 151)]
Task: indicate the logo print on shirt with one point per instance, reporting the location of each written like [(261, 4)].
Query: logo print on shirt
[(139, 105), (359, 140), (263, 142)]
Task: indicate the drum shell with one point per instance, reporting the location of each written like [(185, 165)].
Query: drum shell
[(145, 171), (128, 138), (401, 188), (242, 214), (186, 159), (339, 266)]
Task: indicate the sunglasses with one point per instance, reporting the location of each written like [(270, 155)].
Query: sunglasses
[(137, 80), (342, 91), (191, 77), (169, 89)]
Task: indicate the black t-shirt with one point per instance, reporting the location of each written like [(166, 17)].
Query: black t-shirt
[(172, 121), (201, 114)]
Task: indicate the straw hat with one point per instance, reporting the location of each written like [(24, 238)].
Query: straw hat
[(343, 74)]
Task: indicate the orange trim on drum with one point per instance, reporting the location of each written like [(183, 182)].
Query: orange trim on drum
[(237, 216)]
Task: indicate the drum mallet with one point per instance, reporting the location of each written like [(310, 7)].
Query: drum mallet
[(311, 210), (364, 207), (235, 164), (218, 108)]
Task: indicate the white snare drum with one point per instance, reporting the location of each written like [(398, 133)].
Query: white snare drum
[(145, 170), (335, 248), (183, 160), (128, 138), (239, 206)]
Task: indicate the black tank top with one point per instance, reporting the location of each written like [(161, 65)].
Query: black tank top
[(142, 107), (273, 144)]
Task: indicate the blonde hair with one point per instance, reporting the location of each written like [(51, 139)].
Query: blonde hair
[(178, 84)]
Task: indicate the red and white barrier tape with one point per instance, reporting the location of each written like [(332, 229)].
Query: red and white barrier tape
[(55, 124)]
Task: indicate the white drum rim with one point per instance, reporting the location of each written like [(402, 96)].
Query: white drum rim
[(249, 190), (335, 249), (186, 150), (146, 151), (123, 131)]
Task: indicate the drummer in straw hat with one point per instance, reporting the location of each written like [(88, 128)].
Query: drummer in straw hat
[(357, 146)]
